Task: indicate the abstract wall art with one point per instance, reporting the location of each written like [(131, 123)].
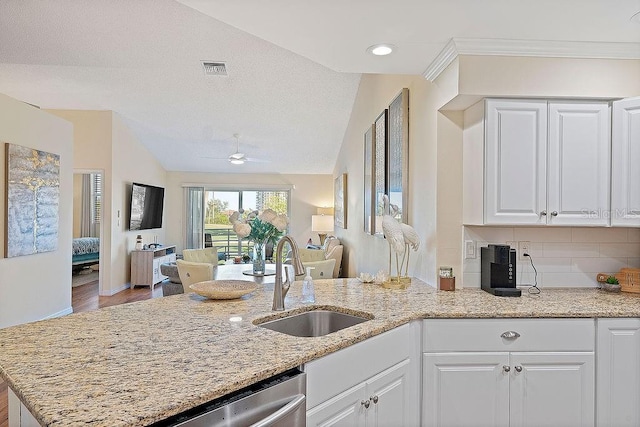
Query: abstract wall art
[(32, 206)]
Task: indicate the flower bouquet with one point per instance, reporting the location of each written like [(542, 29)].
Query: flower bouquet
[(261, 229)]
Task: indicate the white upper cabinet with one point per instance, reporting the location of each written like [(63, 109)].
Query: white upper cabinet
[(625, 172), (546, 162), (515, 161), (578, 163)]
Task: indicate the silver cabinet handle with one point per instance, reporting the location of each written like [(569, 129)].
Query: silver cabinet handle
[(510, 335), (518, 368), (543, 213), (366, 403), (506, 368), (374, 398), (275, 418), (554, 213)]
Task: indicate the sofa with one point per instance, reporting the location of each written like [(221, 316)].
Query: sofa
[(326, 261)]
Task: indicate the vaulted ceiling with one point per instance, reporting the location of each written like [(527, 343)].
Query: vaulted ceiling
[(293, 67)]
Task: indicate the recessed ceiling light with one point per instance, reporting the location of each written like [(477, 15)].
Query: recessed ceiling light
[(381, 49), (636, 18)]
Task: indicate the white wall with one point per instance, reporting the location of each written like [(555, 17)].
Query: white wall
[(308, 193), (366, 253), (103, 142), (37, 286)]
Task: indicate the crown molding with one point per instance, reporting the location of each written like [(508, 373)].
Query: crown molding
[(536, 48)]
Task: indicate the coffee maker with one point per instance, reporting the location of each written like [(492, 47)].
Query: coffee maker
[(498, 270)]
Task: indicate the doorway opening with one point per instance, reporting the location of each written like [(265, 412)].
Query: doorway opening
[(87, 228)]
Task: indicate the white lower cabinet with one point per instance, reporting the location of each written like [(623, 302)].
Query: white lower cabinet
[(379, 401), (508, 372), (618, 394), (371, 383)]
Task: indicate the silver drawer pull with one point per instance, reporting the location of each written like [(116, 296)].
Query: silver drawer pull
[(366, 403), (374, 399), (518, 368), (510, 335), (506, 368)]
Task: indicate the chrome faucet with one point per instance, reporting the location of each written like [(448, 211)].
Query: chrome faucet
[(280, 289)]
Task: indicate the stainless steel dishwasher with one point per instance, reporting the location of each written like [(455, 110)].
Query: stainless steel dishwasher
[(277, 401)]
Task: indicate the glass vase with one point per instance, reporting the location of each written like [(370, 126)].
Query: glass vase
[(259, 258)]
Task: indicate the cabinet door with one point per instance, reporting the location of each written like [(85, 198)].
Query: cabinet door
[(552, 389), (465, 389), (618, 394), (515, 162), (389, 396), (625, 172), (346, 409), (579, 163)]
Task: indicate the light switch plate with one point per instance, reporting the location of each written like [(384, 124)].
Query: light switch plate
[(469, 249)]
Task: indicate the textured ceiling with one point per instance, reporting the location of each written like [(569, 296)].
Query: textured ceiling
[(294, 67)]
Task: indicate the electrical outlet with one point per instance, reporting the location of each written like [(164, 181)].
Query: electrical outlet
[(523, 248), (469, 249)]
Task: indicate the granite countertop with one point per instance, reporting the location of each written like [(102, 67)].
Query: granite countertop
[(137, 363)]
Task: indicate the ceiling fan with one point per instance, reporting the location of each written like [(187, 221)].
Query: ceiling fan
[(239, 158)]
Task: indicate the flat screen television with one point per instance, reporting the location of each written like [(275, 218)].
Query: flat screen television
[(147, 202)]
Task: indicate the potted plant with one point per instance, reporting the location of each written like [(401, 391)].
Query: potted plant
[(611, 284)]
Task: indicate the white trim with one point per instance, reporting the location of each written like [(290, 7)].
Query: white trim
[(64, 312), (446, 56), (535, 48), (112, 292), (258, 187)]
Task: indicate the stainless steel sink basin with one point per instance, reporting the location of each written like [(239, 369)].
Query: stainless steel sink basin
[(313, 323)]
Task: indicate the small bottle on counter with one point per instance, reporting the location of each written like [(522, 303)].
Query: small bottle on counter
[(308, 291)]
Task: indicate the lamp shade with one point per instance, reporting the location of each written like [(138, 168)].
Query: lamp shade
[(320, 223)]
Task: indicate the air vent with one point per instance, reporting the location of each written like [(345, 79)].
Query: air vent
[(214, 68)]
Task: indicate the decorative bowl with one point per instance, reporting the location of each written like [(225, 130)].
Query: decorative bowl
[(223, 289)]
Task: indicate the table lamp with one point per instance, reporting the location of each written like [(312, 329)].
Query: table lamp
[(322, 224)]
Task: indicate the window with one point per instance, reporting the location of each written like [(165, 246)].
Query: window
[(96, 197), (213, 217)]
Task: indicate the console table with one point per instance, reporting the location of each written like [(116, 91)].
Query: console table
[(145, 265)]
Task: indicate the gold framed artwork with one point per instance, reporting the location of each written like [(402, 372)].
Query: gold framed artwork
[(398, 154), (369, 194), (340, 201), (32, 200), (379, 170)]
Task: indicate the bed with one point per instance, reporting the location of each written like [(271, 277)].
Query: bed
[(86, 250)]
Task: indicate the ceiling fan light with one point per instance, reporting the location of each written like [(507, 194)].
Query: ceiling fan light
[(235, 161)]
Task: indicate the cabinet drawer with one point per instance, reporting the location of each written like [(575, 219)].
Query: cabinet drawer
[(441, 335)]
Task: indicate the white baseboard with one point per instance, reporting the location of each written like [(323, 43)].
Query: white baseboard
[(112, 292), (64, 312)]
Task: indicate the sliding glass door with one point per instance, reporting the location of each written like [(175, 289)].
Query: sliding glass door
[(216, 206)]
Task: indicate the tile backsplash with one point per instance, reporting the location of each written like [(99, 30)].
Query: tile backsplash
[(563, 256)]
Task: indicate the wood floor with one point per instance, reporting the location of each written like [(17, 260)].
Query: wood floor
[(85, 298)]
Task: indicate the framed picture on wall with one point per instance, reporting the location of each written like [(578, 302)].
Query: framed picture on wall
[(340, 201), (369, 195), (379, 170), (398, 154)]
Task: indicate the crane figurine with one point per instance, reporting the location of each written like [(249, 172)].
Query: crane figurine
[(401, 238)]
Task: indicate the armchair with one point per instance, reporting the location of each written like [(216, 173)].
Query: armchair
[(209, 255), (327, 260)]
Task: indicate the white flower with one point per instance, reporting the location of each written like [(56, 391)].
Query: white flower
[(268, 215), (233, 218), (280, 222), (242, 229)]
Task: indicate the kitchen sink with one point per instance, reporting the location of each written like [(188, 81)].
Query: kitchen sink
[(314, 323)]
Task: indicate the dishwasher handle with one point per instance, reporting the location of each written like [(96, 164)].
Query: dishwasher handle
[(287, 409)]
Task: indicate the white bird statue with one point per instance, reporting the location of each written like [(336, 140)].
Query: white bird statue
[(393, 234), (411, 238)]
